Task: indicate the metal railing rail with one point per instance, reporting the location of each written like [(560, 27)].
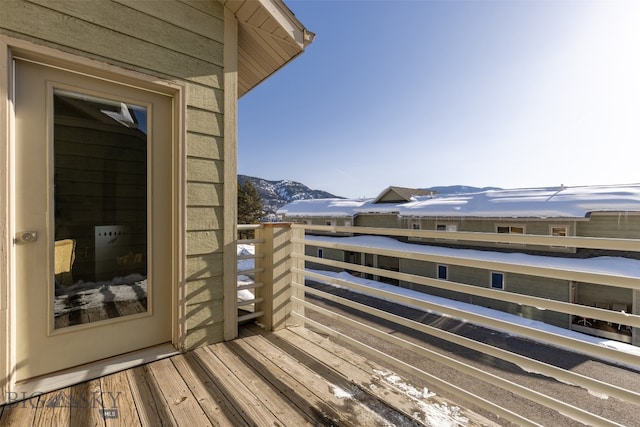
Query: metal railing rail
[(499, 295), (617, 244)]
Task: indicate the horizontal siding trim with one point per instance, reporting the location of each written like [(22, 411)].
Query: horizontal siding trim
[(203, 242), (204, 218), (202, 195), (208, 313), (177, 13), (205, 98), (201, 291), (204, 146), (204, 266), (133, 24), (207, 335), (210, 7), (204, 122), (204, 170)]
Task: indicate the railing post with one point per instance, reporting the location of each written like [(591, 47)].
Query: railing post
[(635, 309), (274, 272), (297, 274)]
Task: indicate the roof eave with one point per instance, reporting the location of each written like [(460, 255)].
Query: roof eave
[(269, 37)]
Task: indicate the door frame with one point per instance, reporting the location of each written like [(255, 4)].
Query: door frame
[(10, 48)]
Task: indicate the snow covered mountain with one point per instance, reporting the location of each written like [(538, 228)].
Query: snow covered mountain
[(275, 194)]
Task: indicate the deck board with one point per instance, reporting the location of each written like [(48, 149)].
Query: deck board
[(85, 403), (152, 408), (248, 403), (290, 377), (285, 375), (52, 415), (270, 397), (379, 403), (117, 392), (217, 406), (327, 387), (181, 402), (364, 374)]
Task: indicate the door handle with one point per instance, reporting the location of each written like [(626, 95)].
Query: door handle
[(26, 237)]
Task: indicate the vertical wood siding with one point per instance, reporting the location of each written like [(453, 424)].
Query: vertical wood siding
[(178, 41)]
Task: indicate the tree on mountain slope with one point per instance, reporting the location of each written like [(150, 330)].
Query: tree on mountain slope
[(249, 203)]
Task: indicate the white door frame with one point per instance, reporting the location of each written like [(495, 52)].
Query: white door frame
[(9, 48)]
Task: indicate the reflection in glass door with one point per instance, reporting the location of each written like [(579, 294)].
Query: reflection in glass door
[(100, 208)]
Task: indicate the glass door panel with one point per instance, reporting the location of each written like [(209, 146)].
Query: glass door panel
[(100, 208)]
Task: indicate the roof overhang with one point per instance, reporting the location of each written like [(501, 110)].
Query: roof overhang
[(269, 36)]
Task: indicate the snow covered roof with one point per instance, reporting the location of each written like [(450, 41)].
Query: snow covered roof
[(553, 202), (321, 207), (573, 202), (401, 194)]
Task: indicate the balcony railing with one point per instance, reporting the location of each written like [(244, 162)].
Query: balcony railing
[(283, 295)]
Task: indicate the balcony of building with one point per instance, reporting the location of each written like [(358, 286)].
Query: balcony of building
[(332, 346)]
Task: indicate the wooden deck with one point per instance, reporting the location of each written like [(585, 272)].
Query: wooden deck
[(292, 377)]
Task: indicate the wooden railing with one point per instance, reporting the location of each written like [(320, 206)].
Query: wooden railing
[(250, 308), (280, 291)]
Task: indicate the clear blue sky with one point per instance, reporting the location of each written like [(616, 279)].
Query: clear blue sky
[(424, 93)]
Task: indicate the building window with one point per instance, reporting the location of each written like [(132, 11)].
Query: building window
[(446, 227), (331, 223), (443, 272), (510, 229), (559, 230), (497, 280), (320, 253), (415, 224)]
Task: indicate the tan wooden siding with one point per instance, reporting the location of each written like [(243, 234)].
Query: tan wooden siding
[(321, 220), (70, 26), (390, 221), (195, 20), (176, 41), (204, 267), (204, 146), (624, 225), (199, 291), (204, 218), (531, 226), (199, 194), (328, 220)]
